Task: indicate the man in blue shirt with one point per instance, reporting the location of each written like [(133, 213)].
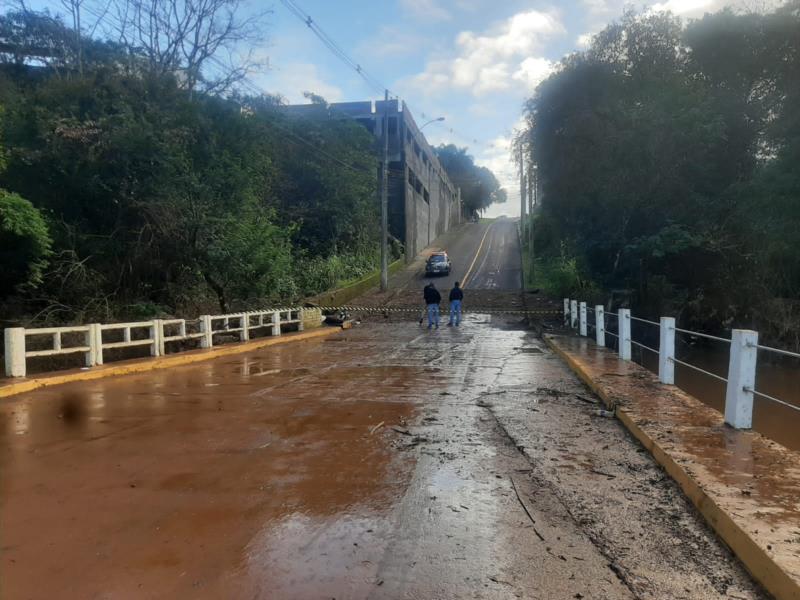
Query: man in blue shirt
[(456, 296)]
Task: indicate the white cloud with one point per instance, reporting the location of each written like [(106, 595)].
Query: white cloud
[(683, 7), (584, 40), (426, 10), (490, 62), (533, 70), (293, 79)]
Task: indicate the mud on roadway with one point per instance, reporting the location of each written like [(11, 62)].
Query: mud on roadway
[(386, 461)]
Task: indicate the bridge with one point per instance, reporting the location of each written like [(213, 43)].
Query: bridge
[(384, 460)]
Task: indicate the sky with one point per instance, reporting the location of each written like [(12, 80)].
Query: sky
[(473, 62)]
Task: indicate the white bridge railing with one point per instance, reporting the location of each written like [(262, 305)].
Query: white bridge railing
[(743, 358), (90, 340)]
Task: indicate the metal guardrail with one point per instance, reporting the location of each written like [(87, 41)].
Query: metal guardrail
[(90, 341), (744, 346)]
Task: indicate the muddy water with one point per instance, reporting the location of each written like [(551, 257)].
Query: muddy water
[(780, 379), (242, 477)]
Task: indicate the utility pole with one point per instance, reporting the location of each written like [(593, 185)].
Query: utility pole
[(385, 197), (531, 179), (521, 192), (533, 197)]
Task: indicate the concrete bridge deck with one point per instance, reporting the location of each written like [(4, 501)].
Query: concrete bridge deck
[(385, 461)]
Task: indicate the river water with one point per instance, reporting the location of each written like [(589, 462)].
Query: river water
[(776, 376)]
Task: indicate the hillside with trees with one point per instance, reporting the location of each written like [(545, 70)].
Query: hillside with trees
[(129, 190), (668, 158)]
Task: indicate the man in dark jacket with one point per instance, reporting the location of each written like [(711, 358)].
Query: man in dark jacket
[(456, 296), (432, 300)]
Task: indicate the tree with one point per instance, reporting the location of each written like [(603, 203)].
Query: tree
[(663, 146), (199, 41), (160, 200), (479, 186), (24, 244), (24, 239)]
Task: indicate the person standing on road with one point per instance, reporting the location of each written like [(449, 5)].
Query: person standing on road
[(432, 300), (456, 296)]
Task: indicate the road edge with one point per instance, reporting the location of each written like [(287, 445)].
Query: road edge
[(776, 580), (161, 362)]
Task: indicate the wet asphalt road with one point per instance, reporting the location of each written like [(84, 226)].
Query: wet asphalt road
[(486, 255), (387, 461)]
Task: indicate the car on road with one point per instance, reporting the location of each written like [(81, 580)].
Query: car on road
[(438, 263)]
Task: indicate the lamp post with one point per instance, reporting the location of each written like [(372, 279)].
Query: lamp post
[(432, 121)]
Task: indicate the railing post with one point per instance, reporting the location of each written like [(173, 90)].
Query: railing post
[(666, 351), (583, 319), (90, 339), (97, 336), (244, 334), (276, 323), (207, 341), (624, 318), (741, 379), (566, 312), (157, 335), (573, 313), (301, 315), (600, 325), (15, 351)]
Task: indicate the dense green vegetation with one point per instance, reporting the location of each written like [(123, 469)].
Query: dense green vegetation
[(479, 186), (129, 194), (669, 162)]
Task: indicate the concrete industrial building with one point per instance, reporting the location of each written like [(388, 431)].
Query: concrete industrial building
[(423, 202)]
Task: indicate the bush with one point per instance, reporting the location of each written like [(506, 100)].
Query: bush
[(563, 277), (24, 244)]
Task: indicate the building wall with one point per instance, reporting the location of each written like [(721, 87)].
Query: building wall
[(430, 194)]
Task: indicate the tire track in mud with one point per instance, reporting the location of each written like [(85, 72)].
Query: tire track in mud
[(633, 513)]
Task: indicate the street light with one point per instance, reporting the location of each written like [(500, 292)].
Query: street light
[(431, 121)]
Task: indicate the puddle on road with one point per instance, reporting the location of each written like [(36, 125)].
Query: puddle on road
[(269, 475), (195, 472)]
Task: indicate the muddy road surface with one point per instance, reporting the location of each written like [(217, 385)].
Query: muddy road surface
[(384, 462)]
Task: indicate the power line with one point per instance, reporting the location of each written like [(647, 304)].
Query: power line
[(273, 122), (333, 47), (337, 50), (331, 44)]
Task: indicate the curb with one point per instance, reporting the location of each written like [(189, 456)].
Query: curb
[(160, 362), (761, 566)]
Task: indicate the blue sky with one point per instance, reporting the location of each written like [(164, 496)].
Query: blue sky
[(473, 62)]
